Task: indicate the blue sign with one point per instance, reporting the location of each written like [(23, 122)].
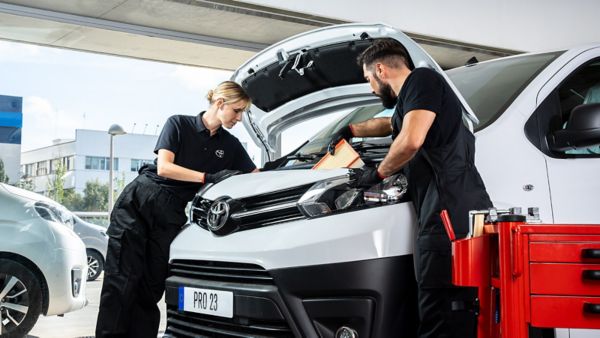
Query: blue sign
[(11, 119)]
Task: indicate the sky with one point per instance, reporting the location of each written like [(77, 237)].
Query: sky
[(64, 90)]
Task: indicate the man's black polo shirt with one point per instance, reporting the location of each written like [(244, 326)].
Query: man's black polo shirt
[(194, 148)]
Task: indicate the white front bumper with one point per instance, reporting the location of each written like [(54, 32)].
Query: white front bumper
[(360, 235), (60, 282)]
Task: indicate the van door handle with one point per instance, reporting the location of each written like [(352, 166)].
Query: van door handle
[(590, 253), (591, 274), (591, 308)]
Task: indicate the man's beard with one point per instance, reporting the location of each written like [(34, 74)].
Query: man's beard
[(387, 96)]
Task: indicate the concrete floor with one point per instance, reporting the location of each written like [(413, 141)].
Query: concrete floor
[(81, 323)]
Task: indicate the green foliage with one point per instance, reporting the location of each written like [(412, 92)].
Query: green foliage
[(56, 184), (119, 186), (72, 200), (26, 182), (3, 177), (95, 196)]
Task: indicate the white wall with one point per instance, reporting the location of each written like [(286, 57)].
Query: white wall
[(97, 143), (10, 155), (49, 152), (529, 25), (93, 143)]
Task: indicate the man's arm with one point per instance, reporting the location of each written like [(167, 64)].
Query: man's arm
[(415, 127), (377, 127)]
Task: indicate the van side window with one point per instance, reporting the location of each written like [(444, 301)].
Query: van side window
[(582, 87)]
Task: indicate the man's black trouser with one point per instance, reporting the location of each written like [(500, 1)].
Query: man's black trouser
[(445, 311), (145, 220)]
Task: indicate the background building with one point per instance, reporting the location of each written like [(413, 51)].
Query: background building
[(87, 159), (11, 122)]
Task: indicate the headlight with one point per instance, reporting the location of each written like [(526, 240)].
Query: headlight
[(337, 195), (54, 213), (43, 210)]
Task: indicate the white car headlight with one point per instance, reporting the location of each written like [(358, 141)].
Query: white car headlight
[(337, 195), (54, 213)]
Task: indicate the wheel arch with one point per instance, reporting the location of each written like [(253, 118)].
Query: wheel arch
[(98, 252), (36, 271)]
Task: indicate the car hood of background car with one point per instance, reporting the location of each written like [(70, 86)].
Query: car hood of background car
[(313, 74)]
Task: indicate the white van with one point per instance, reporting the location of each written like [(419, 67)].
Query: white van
[(293, 252)]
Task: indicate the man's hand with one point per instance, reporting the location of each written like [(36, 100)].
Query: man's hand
[(365, 177), (343, 134), (220, 175)]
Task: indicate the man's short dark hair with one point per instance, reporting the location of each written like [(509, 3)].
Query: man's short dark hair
[(387, 51)]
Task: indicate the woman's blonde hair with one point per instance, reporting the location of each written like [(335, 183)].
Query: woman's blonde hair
[(230, 92)]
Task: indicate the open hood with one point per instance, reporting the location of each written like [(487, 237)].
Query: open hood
[(315, 73)]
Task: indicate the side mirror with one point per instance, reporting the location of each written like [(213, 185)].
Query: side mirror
[(582, 130)]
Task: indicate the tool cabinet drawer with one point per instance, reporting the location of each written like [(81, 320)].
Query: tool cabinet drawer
[(565, 312), (565, 279), (564, 252)]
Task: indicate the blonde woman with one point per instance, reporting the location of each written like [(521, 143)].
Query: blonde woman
[(192, 151)]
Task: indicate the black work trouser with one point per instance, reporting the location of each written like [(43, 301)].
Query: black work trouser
[(445, 311), (145, 220)]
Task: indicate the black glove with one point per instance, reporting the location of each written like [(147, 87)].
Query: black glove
[(365, 177), (220, 175), (345, 133)]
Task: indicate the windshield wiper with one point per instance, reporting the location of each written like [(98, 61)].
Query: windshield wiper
[(290, 157), (302, 157), (363, 147)]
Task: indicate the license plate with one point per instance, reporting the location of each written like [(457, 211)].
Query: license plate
[(206, 301)]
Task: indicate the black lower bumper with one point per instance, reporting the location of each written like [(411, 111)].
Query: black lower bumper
[(377, 298)]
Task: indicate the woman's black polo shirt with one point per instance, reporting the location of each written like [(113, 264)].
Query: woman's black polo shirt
[(194, 148)]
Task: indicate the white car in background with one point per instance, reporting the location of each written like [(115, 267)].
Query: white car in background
[(42, 261), (96, 243), (294, 252)]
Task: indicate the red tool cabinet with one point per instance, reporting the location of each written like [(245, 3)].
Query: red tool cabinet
[(543, 275)]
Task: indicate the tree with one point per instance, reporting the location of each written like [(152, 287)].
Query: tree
[(3, 176), (119, 186), (26, 182), (95, 196), (56, 185), (73, 200)]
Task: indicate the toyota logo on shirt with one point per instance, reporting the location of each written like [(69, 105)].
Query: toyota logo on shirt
[(218, 213)]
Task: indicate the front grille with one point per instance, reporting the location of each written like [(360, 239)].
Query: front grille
[(186, 324), (257, 323), (256, 211), (220, 271)]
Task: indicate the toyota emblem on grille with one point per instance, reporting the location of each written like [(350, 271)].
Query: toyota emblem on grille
[(218, 213)]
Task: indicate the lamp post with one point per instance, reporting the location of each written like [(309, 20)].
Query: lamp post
[(114, 130)]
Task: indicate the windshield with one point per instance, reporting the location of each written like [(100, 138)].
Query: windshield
[(490, 87), (318, 143)]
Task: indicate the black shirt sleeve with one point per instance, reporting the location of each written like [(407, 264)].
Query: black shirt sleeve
[(424, 90), (242, 161), (170, 136)]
